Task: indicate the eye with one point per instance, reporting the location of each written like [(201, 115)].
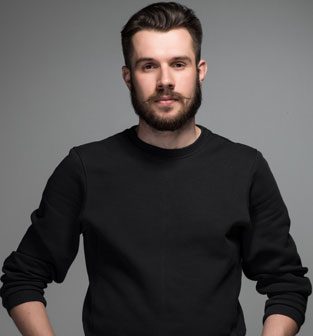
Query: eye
[(179, 65), (148, 66)]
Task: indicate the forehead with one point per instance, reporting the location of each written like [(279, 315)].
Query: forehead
[(159, 45)]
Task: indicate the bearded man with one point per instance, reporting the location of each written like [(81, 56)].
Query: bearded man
[(171, 213)]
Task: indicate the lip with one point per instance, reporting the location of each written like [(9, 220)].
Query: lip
[(166, 98), (166, 101)]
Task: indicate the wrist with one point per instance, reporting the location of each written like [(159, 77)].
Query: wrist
[(279, 325)]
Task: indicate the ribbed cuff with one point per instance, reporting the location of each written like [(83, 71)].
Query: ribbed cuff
[(21, 297), (285, 310)]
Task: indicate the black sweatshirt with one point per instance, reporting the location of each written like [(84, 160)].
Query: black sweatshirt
[(167, 234)]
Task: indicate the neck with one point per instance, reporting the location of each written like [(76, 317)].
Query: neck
[(179, 138)]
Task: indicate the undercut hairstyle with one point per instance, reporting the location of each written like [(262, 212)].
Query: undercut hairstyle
[(162, 17)]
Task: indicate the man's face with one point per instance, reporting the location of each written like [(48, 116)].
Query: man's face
[(164, 80)]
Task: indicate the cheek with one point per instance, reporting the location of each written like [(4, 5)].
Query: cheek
[(189, 85), (186, 82), (186, 88), (145, 87)]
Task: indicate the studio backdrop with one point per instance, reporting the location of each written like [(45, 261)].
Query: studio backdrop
[(61, 86)]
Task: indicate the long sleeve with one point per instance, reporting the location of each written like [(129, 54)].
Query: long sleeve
[(51, 242), (270, 255)]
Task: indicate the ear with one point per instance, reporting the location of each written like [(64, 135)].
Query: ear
[(126, 76), (203, 68)]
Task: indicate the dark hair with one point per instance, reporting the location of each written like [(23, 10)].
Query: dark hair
[(162, 16)]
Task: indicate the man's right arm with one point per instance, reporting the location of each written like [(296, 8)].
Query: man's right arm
[(31, 319), (46, 250)]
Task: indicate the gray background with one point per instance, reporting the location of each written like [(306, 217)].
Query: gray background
[(61, 85)]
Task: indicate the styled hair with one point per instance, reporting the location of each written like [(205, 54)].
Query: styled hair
[(163, 17)]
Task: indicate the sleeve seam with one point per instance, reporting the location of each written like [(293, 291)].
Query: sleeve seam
[(85, 188), (250, 176)]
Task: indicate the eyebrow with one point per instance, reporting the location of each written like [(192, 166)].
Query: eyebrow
[(149, 59)]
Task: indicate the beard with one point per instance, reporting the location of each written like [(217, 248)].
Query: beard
[(189, 108)]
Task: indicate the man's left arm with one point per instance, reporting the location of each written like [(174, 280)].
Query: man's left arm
[(279, 325), (270, 257)]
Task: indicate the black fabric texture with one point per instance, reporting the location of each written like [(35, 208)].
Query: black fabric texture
[(167, 235)]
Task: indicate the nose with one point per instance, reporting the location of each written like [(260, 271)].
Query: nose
[(165, 80)]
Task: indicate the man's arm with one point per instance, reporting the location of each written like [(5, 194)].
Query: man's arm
[(279, 325), (47, 249), (270, 256), (31, 319)]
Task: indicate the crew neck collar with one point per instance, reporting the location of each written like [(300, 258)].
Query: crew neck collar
[(166, 152)]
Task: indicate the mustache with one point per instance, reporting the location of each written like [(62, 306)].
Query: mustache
[(171, 95)]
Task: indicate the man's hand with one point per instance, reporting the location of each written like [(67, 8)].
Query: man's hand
[(279, 325)]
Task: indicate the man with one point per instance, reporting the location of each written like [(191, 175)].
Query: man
[(171, 213)]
